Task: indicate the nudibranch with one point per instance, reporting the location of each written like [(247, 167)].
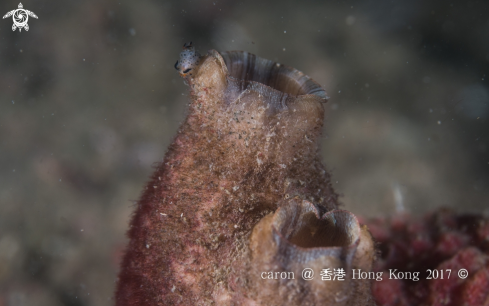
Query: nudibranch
[(189, 59), (241, 204)]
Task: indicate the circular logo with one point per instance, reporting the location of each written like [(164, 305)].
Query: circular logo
[(20, 18), (307, 274), (463, 273)]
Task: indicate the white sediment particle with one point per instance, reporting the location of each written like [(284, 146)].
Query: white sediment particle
[(235, 188), (398, 198)]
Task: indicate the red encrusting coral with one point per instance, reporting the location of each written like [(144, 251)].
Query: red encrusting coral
[(442, 241)]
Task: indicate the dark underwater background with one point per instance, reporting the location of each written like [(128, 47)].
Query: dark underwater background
[(90, 100)]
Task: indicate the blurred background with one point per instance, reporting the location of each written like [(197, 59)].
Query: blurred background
[(89, 101)]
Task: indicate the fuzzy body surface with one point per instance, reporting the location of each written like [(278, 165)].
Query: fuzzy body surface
[(248, 146)]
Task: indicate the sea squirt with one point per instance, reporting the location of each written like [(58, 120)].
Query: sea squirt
[(242, 191)]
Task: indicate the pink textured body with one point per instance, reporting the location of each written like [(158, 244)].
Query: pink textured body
[(248, 147), (242, 192)]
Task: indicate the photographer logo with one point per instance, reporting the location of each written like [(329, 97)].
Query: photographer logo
[(20, 17)]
